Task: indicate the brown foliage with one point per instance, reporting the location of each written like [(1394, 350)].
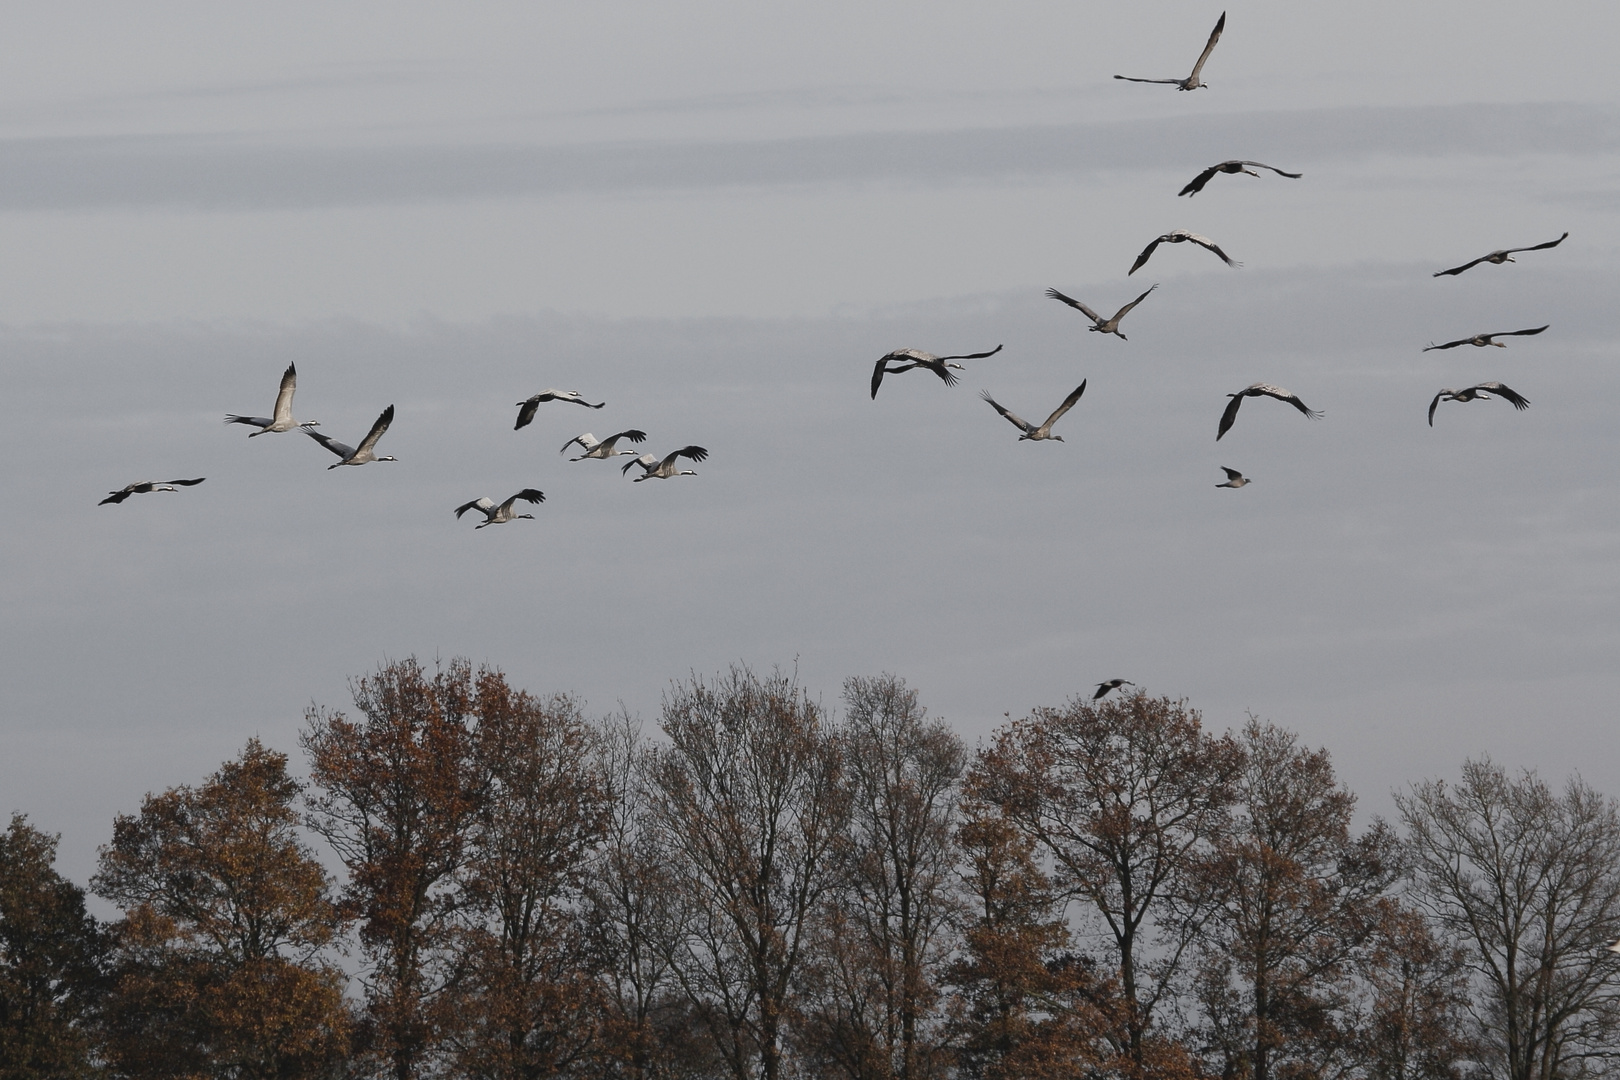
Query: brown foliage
[(50, 951), (398, 797), (218, 968), (1125, 798)]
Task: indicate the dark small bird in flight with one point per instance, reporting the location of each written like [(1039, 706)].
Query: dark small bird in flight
[(908, 359), (1485, 339), (1473, 394), (1502, 256), (1257, 390), (1179, 236), (148, 485), (1106, 326), (1111, 684), (1191, 82), (1234, 479), (1196, 184)]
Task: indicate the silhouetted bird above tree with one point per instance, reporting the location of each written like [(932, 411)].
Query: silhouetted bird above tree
[(1485, 339), (1196, 184), (1112, 684), (1502, 256), (1260, 389), (910, 359), (1030, 431), (500, 515), (148, 485), (1179, 236), (527, 409), (1473, 393), (1191, 82), (1102, 325)]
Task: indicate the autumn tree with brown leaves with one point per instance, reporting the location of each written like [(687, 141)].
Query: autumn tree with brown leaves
[(50, 956), (220, 968), (749, 796), (526, 1002), (397, 795), (1126, 799), (881, 930), (1299, 897), (1024, 1005), (1412, 1012)]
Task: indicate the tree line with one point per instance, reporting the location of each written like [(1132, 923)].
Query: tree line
[(475, 881)]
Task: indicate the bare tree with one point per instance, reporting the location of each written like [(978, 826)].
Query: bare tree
[(1528, 882), (1124, 797), (1299, 897), (881, 930), (749, 795)]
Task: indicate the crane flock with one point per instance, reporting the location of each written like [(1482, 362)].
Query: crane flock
[(893, 363)]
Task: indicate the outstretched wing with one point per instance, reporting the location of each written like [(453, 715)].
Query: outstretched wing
[(1196, 184), (528, 495), (1541, 247), (1519, 402), (1229, 415), (973, 356), (587, 442), (377, 429), (186, 483), (1448, 345), (696, 453), (646, 461), (1147, 252), (256, 421), (1121, 313), (1214, 36), (1077, 305), (1068, 403), (526, 411), (1435, 404), (1273, 168), (1519, 333), (1459, 269), (341, 450), (1128, 78), (1231, 474), (284, 396), (1209, 245), (631, 435), (120, 496), (1017, 421), (482, 503), (1289, 396)]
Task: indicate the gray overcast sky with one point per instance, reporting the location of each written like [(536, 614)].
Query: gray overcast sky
[(716, 216)]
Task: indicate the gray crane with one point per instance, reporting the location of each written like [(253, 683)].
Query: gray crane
[(527, 409), (1102, 325), (148, 485), (1260, 389), (654, 468), (1196, 184), (1180, 236), (909, 359), (366, 452), (606, 448), (1504, 255), (1191, 82), (500, 515), (1473, 393), (283, 419), (1485, 339), (1030, 431)]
